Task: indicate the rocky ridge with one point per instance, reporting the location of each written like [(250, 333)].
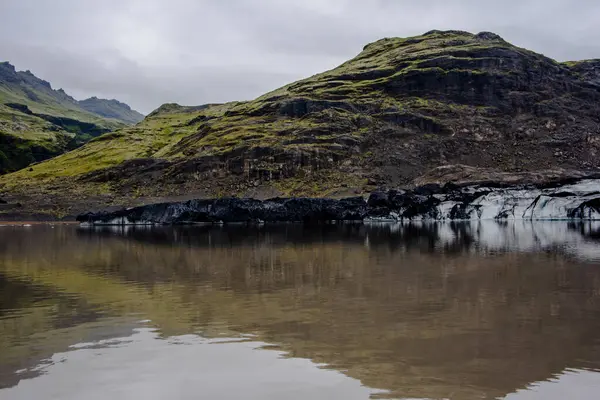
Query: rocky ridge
[(26, 89), (111, 109)]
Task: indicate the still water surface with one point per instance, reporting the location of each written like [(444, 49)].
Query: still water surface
[(449, 311)]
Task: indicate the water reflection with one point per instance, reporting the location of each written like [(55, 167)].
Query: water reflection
[(422, 311), (137, 368), (577, 239)]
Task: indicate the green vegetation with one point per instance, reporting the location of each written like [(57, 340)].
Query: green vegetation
[(144, 140), (25, 139)]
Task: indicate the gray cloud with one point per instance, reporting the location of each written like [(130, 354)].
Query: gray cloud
[(148, 52)]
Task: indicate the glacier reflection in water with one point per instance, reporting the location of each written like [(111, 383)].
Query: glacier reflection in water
[(454, 310)]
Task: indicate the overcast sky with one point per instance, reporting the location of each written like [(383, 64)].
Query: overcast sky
[(149, 52)]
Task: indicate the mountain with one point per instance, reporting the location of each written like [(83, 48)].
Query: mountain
[(111, 109), (446, 105), (22, 87), (38, 122)]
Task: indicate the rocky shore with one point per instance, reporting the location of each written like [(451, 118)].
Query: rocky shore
[(573, 199)]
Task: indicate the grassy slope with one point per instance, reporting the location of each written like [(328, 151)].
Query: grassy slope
[(27, 127), (28, 138), (151, 138)]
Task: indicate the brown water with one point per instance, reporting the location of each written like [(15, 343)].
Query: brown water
[(476, 311)]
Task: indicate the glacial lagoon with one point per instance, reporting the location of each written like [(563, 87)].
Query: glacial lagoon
[(478, 310)]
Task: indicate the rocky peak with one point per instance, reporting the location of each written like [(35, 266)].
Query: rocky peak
[(118, 103), (168, 108), (65, 96), (6, 66), (452, 43), (30, 78), (489, 36), (587, 70), (111, 109), (8, 72), (464, 68), (112, 102), (447, 33)]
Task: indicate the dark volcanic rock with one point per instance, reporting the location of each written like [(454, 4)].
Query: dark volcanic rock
[(572, 200), (229, 210), (19, 107), (588, 70)]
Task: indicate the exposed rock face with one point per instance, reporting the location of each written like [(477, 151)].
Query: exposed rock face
[(588, 70), (19, 107), (236, 210), (464, 175), (579, 200)]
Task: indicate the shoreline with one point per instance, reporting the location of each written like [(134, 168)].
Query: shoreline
[(573, 201), (29, 222), (567, 199)]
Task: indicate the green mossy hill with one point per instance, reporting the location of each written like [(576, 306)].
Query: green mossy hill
[(400, 108)]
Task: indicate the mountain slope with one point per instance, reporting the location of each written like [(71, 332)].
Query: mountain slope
[(111, 109), (38, 122), (401, 108), (25, 88)]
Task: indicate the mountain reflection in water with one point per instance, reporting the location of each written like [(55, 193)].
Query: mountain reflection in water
[(459, 311)]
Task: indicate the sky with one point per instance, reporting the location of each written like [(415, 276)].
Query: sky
[(191, 52)]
